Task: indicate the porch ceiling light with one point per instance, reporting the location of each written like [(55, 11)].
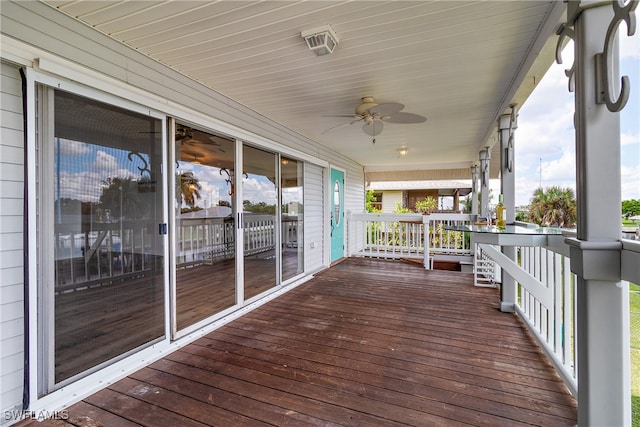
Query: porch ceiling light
[(402, 152), (321, 40)]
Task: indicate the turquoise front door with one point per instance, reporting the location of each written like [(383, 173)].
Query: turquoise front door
[(337, 214)]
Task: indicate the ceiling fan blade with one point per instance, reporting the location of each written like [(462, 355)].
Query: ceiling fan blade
[(334, 127), (404, 118), (374, 128), (386, 109), (357, 119)]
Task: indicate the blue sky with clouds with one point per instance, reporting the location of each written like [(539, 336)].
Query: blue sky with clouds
[(545, 138)]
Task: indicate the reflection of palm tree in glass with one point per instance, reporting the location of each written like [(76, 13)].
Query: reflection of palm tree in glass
[(121, 197), (189, 190)]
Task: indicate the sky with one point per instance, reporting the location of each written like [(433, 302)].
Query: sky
[(545, 137)]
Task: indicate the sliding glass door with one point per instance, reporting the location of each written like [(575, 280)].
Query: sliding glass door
[(205, 228), (101, 229), (260, 199), (222, 210), (292, 211)]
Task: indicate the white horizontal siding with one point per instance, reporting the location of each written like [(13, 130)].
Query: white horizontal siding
[(11, 240), (313, 217), (353, 200), (390, 199)]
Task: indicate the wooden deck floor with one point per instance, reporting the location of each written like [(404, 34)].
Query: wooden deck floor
[(369, 343)]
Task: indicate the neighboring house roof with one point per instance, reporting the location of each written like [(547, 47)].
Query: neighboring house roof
[(210, 212), (444, 187)]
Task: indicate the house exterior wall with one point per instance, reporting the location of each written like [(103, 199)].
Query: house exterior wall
[(39, 38), (414, 196), (390, 199), (313, 215), (11, 239)]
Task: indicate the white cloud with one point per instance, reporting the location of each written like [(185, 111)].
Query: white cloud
[(73, 148), (259, 190), (629, 46), (630, 182), (628, 138), (85, 185), (561, 171), (105, 162)]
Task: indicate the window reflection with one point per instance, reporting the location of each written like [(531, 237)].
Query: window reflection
[(108, 296), (259, 220), (205, 227), (292, 208)]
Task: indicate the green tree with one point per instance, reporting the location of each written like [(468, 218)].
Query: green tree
[(427, 205), (188, 189), (260, 207), (370, 197), (466, 203), (121, 197), (555, 207), (630, 207), (400, 209)]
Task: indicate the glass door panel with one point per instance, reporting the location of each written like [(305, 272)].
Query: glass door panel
[(105, 199), (260, 198), (205, 226), (292, 213)]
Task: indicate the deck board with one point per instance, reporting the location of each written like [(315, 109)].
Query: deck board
[(367, 342)]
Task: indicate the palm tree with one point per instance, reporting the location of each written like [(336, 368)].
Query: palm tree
[(189, 190), (121, 196), (555, 207)]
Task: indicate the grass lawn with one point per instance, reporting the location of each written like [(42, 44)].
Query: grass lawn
[(634, 308)]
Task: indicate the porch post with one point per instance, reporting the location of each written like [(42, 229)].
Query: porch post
[(602, 305), (474, 189), (485, 158), (507, 125)]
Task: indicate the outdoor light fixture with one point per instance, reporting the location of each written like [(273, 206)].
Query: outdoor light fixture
[(322, 40), (402, 151)]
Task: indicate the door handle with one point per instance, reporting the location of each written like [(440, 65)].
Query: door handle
[(331, 222)]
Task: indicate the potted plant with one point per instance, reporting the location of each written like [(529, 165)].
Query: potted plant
[(427, 205)]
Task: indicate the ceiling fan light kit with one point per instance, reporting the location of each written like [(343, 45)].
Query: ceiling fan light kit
[(321, 40), (375, 115)]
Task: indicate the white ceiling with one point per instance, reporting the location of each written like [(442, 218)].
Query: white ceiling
[(459, 63)]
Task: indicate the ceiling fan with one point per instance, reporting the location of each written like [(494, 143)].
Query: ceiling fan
[(373, 116)]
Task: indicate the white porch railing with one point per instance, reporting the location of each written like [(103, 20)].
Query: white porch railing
[(546, 299), (108, 250), (125, 249), (404, 236), (546, 295)]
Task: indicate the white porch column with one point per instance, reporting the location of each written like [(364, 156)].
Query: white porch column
[(507, 125), (604, 395), (485, 159), (474, 189)]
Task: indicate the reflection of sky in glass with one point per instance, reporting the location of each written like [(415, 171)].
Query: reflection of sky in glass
[(258, 188), (82, 168), (214, 185), (292, 194)]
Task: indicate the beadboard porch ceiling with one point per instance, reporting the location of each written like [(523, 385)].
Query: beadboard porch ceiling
[(458, 63)]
